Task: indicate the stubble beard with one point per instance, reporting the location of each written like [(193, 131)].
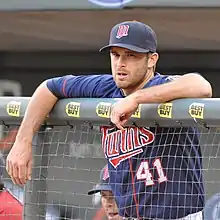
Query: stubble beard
[(130, 86)]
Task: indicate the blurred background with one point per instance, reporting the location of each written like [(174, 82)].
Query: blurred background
[(43, 39)]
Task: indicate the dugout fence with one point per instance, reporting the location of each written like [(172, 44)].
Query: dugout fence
[(68, 156)]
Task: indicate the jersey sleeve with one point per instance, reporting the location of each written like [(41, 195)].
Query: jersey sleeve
[(71, 86), (169, 78)]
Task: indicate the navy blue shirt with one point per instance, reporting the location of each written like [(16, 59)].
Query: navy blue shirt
[(155, 172)]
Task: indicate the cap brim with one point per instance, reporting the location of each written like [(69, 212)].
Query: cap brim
[(127, 46), (99, 188)]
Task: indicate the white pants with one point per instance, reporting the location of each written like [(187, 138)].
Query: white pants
[(194, 216)]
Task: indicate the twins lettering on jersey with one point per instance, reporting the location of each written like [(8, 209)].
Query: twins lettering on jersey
[(121, 145)]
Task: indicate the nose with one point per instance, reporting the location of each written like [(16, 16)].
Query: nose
[(121, 62), (109, 204)]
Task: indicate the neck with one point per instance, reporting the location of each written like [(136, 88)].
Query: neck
[(148, 77)]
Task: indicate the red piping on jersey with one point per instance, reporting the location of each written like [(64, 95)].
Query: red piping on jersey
[(64, 86), (134, 190)]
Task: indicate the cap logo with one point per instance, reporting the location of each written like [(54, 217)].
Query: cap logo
[(105, 173), (122, 31)]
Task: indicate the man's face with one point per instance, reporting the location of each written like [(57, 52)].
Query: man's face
[(110, 206), (129, 68)]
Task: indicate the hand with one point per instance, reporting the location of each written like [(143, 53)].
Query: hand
[(19, 162), (122, 111)]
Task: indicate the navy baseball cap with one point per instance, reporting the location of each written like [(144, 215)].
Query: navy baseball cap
[(104, 182), (133, 35)]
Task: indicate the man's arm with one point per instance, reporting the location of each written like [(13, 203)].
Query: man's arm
[(48, 93), (191, 85), (40, 105), (187, 86), (19, 160)]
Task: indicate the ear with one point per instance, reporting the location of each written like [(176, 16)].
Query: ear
[(152, 59)]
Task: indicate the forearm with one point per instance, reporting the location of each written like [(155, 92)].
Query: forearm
[(187, 86), (39, 107)]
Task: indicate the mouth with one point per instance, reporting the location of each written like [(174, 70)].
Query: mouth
[(112, 215), (122, 76)]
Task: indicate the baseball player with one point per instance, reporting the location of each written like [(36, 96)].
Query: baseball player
[(155, 172), (107, 199)]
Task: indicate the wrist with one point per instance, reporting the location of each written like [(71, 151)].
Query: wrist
[(24, 137), (137, 97)]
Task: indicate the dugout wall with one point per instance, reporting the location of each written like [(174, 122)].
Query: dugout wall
[(68, 157)]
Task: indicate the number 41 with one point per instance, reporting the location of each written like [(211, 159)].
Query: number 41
[(144, 172)]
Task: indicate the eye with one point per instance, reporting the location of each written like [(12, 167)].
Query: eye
[(131, 55), (115, 54)]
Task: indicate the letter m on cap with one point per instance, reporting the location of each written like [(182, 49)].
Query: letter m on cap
[(122, 31)]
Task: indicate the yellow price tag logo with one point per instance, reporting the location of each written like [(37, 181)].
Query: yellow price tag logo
[(13, 108), (196, 110), (103, 109), (73, 109), (164, 110)]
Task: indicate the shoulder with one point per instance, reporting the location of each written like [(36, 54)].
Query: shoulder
[(107, 87), (83, 86), (102, 78), (80, 78), (103, 85)]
